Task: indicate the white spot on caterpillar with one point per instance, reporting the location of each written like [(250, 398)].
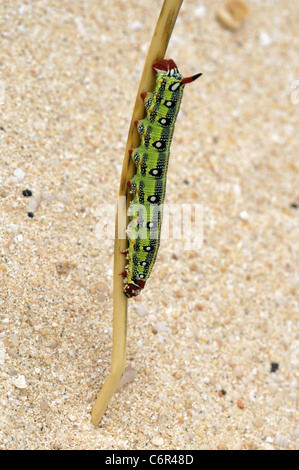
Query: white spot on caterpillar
[(175, 86)]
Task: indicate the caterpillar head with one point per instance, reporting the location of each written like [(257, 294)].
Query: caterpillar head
[(131, 290), (169, 67)]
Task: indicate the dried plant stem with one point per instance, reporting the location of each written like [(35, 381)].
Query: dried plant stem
[(157, 49)]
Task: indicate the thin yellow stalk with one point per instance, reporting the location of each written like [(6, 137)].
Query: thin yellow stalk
[(157, 49)]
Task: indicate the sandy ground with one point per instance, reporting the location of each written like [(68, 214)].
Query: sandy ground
[(213, 338)]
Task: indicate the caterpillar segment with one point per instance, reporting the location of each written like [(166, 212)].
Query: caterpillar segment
[(148, 185)]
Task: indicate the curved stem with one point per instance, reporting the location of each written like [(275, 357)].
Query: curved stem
[(157, 49)]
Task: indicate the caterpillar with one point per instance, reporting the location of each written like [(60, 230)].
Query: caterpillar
[(148, 186)]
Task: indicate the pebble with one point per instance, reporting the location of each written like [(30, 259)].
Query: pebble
[(44, 331), (19, 174), (13, 228), (200, 11), (274, 367), (238, 9), (136, 26), (226, 19), (238, 371), (157, 441), (243, 215), (240, 404), (63, 267), (27, 193), (20, 382), (44, 405), (232, 14), (53, 344), (264, 39), (237, 189)]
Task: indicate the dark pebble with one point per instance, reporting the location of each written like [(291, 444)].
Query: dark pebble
[(294, 205), (27, 193), (30, 214), (274, 366)]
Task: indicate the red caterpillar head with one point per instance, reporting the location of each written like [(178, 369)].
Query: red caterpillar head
[(167, 65), (131, 290)]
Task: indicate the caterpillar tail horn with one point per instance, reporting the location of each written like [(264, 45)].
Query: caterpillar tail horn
[(190, 79)]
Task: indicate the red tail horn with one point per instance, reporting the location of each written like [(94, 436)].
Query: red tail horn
[(190, 79)]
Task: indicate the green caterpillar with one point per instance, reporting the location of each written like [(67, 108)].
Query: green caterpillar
[(149, 183)]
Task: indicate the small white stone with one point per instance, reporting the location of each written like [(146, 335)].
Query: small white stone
[(157, 441), (237, 189), (23, 8), (238, 371), (243, 215), (20, 382), (19, 173), (265, 39), (200, 11), (137, 26)]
